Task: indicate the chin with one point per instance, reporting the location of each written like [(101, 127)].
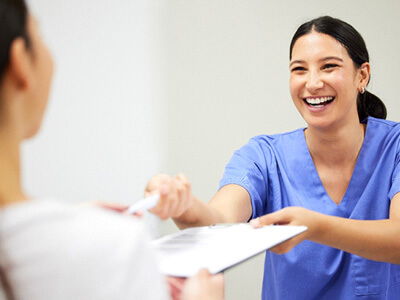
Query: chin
[(318, 122), (30, 133)]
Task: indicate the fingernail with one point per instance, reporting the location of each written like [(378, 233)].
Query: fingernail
[(164, 190), (255, 223)]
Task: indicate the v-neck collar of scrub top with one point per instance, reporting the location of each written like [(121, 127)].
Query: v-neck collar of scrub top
[(360, 175)]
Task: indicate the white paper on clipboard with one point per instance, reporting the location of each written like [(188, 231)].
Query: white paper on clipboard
[(217, 247)]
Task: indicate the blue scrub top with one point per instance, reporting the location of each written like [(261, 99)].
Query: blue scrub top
[(278, 171)]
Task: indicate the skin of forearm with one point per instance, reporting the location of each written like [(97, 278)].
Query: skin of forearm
[(231, 204), (375, 240), (199, 214)]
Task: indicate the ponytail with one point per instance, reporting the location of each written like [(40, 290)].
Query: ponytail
[(370, 105)]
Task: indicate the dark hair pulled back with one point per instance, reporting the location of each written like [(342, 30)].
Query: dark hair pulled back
[(367, 103), (13, 19)]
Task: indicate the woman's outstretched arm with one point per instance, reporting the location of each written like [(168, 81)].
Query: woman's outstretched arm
[(230, 204), (372, 239)]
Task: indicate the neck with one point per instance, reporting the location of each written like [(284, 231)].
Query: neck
[(336, 147), (10, 175)]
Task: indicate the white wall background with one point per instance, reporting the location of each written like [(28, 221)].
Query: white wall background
[(176, 86), (100, 137)]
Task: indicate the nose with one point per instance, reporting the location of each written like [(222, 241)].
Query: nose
[(314, 82)]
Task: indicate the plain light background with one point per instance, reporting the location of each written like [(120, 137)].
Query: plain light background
[(101, 133), (172, 86)]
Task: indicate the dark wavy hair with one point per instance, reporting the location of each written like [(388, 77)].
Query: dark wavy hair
[(367, 103), (13, 24)]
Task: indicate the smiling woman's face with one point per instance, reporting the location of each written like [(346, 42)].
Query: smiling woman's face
[(324, 82)]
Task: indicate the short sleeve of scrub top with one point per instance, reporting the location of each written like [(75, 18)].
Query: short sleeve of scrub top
[(395, 186)]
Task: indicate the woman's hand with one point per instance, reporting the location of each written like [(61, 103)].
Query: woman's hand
[(117, 207), (175, 285), (291, 216), (175, 195), (204, 286)]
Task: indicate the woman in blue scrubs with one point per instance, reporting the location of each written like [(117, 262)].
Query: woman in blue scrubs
[(339, 176)]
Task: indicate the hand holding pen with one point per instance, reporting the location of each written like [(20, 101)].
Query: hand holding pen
[(175, 195), (144, 204)]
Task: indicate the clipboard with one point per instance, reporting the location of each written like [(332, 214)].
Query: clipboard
[(217, 247)]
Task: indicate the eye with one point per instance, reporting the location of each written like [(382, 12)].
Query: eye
[(330, 66), (297, 69)]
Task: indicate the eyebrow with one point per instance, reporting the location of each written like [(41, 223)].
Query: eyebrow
[(321, 60)]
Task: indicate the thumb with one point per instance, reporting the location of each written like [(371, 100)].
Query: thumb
[(278, 217), (155, 183)]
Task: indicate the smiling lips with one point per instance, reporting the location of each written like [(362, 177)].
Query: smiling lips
[(318, 101)]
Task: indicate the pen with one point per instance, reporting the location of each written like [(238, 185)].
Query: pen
[(143, 204), (223, 225)]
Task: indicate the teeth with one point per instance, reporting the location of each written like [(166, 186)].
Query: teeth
[(316, 101)]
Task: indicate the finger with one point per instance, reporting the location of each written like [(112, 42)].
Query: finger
[(138, 214), (155, 182), (162, 206), (181, 198), (279, 217), (203, 273), (219, 280), (175, 286), (175, 295), (173, 202), (288, 245), (185, 194), (263, 221), (169, 198), (176, 282), (111, 206), (188, 192), (182, 177), (214, 283), (165, 188)]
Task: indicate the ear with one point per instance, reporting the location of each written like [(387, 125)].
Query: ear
[(19, 66), (364, 75)]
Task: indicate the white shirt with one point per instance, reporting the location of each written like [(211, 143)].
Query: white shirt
[(51, 250)]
